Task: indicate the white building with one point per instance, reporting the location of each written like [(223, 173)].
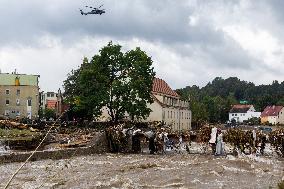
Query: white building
[(241, 112)]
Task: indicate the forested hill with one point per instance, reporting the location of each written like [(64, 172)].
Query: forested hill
[(213, 102)]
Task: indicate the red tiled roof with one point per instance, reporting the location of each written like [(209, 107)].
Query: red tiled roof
[(160, 86), (51, 104), (240, 108), (271, 111)]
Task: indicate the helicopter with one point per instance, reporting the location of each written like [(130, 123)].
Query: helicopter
[(94, 10)]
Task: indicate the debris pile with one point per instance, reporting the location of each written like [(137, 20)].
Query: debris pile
[(156, 138), (203, 134), (245, 141), (277, 141), (12, 125)]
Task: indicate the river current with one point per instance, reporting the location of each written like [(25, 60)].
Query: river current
[(148, 171)]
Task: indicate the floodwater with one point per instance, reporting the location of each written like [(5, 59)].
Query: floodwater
[(147, 171)]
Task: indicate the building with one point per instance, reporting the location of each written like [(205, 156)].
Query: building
[(242, 112), (167, 107), (48, 100), (273, 115), (19, 95)]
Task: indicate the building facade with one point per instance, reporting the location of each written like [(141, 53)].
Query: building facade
[(273, 115), (48, 100), (19, 95), (167, 107), (241, 112)]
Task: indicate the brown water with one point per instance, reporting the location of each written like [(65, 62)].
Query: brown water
[(147, 171)]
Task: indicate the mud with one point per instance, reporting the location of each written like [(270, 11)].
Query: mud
[(148, 171)]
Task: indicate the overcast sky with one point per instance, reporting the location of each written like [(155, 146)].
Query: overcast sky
[(190, 41)]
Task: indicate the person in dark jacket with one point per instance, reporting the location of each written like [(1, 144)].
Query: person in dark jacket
[(152, 147)]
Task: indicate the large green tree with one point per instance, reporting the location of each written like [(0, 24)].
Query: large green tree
[(121, 82)]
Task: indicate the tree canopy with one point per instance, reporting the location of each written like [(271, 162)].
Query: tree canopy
[(121, 82), (213, 102)]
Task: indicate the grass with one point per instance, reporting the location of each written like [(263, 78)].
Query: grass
[(11, 133)]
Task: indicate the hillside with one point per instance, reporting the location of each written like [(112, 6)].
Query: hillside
[(213, 101)]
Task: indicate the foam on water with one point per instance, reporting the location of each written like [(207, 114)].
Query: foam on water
[(4, 149)]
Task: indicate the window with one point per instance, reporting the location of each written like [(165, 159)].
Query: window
[(171, 114), (181, 115), (168, 114), (29, 102), (7, 91), (18, 92), (18, 102), (48, 95), (7, 102), (51, 95)]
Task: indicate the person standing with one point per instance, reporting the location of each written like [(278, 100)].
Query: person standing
[(219, 145), (212, 141), (152, 147)]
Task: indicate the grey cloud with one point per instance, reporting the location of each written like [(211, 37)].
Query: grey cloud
[(165, 21)]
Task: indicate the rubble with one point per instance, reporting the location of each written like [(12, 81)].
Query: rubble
[(133, 137)]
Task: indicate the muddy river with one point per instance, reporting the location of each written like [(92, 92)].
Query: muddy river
[(147, 171)]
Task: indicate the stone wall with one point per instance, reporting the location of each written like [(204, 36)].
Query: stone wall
[(97, 145)]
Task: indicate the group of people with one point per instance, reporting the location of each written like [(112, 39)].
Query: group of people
[(216, 141), (162, 142)]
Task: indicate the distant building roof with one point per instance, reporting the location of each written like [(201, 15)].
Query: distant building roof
[(240, 108), (271, 111), (160, 86), (51, 104), (9, 79)]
